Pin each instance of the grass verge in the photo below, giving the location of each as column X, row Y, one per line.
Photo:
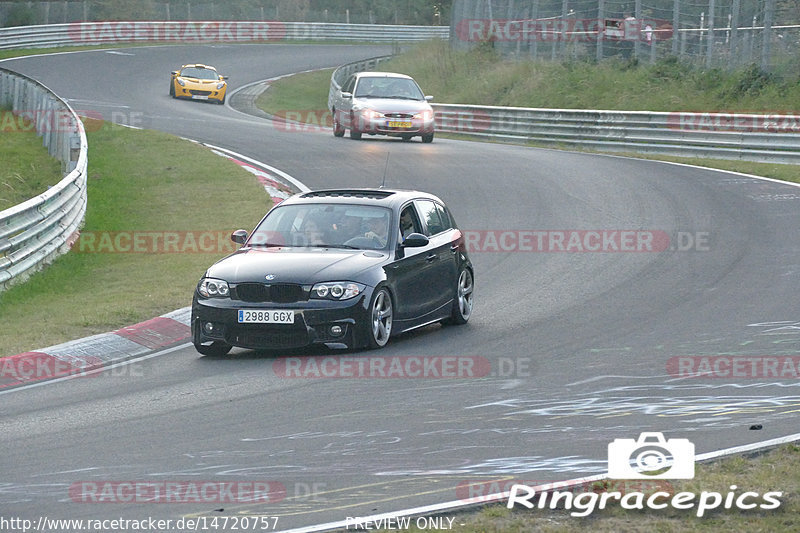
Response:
column 27, row 169
column 774, row 470
column 142, row 185
column 305, row 93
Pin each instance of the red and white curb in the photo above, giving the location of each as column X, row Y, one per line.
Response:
column 84, row 355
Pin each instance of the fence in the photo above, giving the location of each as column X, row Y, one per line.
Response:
column 36, row 231
column 713, row 33
column 761, row 138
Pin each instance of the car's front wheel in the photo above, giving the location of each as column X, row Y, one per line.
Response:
column 172, row 88
column 462, row 306
column 216, row 348
column 380, row 318
column 338, row 129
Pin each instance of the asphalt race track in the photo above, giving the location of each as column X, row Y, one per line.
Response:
column 581, row 345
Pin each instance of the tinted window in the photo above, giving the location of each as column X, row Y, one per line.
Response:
column 348, row 85
column 431, row 216
column 447, row 223
column 408, row 222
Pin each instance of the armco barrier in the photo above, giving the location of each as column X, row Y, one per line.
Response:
column 94, row 33
column 749, row 137
column 34, row 232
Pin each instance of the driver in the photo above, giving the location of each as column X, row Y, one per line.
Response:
column 378, row 230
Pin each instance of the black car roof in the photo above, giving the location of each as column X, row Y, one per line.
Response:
column 384, row 197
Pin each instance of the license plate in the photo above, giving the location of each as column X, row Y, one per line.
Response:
column 395, row 124
column 265, row 316
column 199, row 97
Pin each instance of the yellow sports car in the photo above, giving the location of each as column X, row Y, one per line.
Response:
column 198, row 82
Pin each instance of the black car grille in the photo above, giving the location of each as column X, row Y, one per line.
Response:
column 196, row 92
column 277, row 293
column 267, row 339
column 399, row 115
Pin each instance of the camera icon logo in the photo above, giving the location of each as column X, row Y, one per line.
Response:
column 651, row 457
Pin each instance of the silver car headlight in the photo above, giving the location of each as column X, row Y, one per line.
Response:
column 220, row 85
column 181, row 82
column 213, row 288
column 336, row 290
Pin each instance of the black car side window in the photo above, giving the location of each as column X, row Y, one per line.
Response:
column 348, row 85
column 429, row 213
column 408, row 222
column 444, row 216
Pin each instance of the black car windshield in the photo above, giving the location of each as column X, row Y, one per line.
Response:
column 383, row 87
column 199, row 73
column 346, row 226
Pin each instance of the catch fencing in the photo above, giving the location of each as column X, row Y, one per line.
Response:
column 711, row 33
column 34, row 232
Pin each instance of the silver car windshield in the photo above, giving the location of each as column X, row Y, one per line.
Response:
column 385, row 87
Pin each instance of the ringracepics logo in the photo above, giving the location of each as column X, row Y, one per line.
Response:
column 651, row 456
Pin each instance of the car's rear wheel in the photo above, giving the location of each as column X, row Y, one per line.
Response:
column 462, row 306
column 380, row 318
column 406, row 138
column 338, row 129
column 427, row 138
column 216, row 348
column 355, row 135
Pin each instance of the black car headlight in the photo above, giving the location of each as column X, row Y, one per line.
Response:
column 336, row 290
column 213, row 288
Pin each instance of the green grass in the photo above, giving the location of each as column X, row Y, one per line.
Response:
column 306, row 92
column 775, row 470
column 480, row 77
column 27, row 169
column 138, row 181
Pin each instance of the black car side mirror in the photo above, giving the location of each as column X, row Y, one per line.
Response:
column 415, row 240
column 239, row 236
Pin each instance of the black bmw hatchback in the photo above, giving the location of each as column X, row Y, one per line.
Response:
column 336, row 267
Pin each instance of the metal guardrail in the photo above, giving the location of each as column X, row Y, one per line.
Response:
column 94, row 33
column 34, row 232
column 748, row 137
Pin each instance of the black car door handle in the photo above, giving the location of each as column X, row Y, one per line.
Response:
column 430, row 258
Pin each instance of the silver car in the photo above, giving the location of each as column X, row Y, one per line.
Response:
column 382, row 103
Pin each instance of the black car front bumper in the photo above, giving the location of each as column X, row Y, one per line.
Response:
column 315, row 322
